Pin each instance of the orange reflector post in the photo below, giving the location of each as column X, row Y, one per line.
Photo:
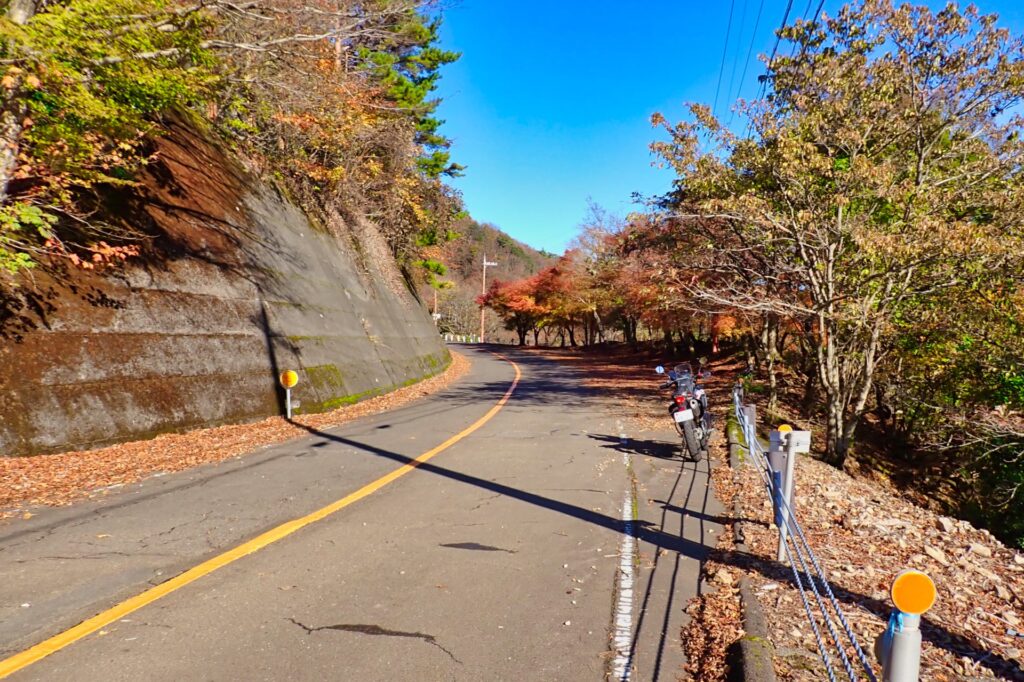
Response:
column 289, row 378
column 913, row 592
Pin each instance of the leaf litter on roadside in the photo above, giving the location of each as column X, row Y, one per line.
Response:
column 61, row 479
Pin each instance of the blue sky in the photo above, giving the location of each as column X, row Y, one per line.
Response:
column 550, row 102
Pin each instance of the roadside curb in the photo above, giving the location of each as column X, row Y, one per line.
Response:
column 750, row 658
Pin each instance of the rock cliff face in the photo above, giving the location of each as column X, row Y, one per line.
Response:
column 236, row 285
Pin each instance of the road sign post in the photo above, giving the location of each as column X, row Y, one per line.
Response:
column 898, row 649
column 289, row 379
column 777, row 464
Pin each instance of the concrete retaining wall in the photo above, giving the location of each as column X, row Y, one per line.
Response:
column 237, row 285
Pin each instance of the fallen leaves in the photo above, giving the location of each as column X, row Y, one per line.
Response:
column 864, row 535
column 58, row 480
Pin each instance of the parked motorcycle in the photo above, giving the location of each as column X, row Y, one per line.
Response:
column 689, row 409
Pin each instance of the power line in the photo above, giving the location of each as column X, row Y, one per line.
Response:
column 771, row 59
column 778, row 38
column 750, row 51
column 808, row 8
column 817, row 12
column 814, row 24
column 725, row 51
column 736, row 55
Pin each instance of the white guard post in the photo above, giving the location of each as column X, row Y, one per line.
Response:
column 784, row 445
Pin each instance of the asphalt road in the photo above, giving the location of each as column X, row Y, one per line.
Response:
column 498, row 559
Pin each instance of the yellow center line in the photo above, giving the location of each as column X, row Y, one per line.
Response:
column 57, row 642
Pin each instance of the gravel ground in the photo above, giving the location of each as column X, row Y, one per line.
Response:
column 864, row 536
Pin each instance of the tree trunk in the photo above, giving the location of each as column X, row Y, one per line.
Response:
column 521, row 331
column 536, row 336
column 598, row 327
column 810, row 397
column 14, row 111
column 572, row 334
column 837, row 446
column 770, row 340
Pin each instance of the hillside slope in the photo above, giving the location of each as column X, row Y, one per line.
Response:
column 236, row 284
column 463, row 257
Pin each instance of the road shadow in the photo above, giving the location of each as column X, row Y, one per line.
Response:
column 933, row 633
column 656, row 532
column 711, row 518
column 640, row 446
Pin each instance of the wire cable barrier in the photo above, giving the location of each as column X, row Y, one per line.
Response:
column 811, row 586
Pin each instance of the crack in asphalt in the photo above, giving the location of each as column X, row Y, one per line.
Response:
column 193, row 522
column 98, row 555
column 45, row 533
column 486, row 500
column 376, row 631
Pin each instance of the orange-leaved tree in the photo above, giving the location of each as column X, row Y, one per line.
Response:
column 516, row 304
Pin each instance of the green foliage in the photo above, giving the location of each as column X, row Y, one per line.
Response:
column 875, row 206
column 511, row 246
column 94, row 91
column 753, row 387
column 997, row 478
column 433, row 269
column 85, row 80
column 435, row 235
column 408, row 67
column 20, row 226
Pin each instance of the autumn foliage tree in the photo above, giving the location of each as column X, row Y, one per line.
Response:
column 882, row 172
column 333, row 97
column 516, row 304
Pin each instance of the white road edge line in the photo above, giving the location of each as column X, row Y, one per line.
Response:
column 622, row 665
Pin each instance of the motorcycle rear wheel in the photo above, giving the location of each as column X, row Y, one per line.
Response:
column 691, row 445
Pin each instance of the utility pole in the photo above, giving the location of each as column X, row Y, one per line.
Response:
column 483, row 292
column 434, row 315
